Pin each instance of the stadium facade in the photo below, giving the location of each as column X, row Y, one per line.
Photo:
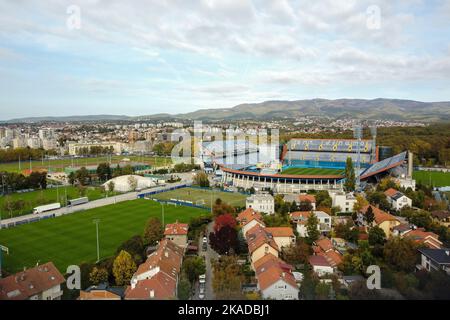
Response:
column 244, row 165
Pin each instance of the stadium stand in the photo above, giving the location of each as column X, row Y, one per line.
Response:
column 384, row 165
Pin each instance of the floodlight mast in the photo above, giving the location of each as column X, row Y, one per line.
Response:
column 358, row 135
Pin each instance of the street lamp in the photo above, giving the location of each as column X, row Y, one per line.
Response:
column 96, row 221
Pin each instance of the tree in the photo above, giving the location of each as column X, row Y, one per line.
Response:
column 297, row 254
column 184, row 288
column 132, row 182
column 370, row 216
column 201, row 180
column 220, row 208
column 111, row 185
column 104, row 171
column 71, row 178
column 349, row 184
column 82, row 175
column 312, row 228
column 376, row 236
column 224, row 220
column 98, row 275
column 135, row 247
column 193, row 267
column 323, row 199
column 123, row 268
column 359, row 291
column 227, row 278
column 401, row 254
column 153, row 231
column 360, row 203
column 225, row 240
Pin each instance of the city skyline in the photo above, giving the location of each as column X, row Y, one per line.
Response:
column 178, row 57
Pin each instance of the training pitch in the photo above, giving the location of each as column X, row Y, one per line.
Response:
column 432, row 178
column 71, row 239
column 203, row 195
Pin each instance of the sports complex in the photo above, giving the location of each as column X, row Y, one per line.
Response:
column 301, row 164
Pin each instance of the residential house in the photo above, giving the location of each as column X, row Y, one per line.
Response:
column 157, row 278
column 262, row 202
column 424, row 238
column 397, row 199
column 275, row 279
column 298, row 198
column 177, row 233
column 345, row 201
column 102, row 292
column 324, row 247
column 301, row 218
column 248, row 219
column 320, row 265
column 283, row 236
column 42, row 282
column 260, row 243
column 384, row 220
column 442, row 217
column 435, row 259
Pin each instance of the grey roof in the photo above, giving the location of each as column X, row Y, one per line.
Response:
column 440, row 256
column 397, row 196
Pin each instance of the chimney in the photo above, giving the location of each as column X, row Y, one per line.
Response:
column 447, row 252
column 166, row 254
column 152, row 293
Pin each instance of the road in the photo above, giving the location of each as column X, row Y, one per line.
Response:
column 90, row 205
column 209, row 254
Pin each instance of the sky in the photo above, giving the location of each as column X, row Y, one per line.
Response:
column 140, row 57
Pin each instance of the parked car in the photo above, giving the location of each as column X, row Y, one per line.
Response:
column 202, row 279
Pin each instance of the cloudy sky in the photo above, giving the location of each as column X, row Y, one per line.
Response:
column 144, row 57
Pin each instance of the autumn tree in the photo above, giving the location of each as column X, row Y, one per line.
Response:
column 360, row 203
column 221, row 208
column 376, row 236
column 227, row 278
column 370, row 216
column 400, row 253
column 153, row 231
column 98, row 275
column 224, row 220
column 225, row 240
column 201, row 179
column 193, row 267
column 297, row 254
column 123, row 268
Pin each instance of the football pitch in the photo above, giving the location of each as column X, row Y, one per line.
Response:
column 313, row 171
column 71, row 239
column 39, row 197
column 59, row 164
column 432, row 178
column 202, row 196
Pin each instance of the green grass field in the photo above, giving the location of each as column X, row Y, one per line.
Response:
column 58, row 165
column 193, row 194
column 40, row 197
column 434, row 178
column 313, row 171
column 71, row 239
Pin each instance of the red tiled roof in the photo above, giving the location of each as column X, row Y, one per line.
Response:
column 270, row 269
column 281, row 231
column 390, row 192
column 380, row 215
column 300, row 215
column 307, row 197
column 159, row 287
column 325, row 244
column 248, row 215
column 429, row 239
column 318, row 260
column 258, row 236
column 30, row 282
column 176, row 229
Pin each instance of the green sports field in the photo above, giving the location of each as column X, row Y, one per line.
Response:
column 433, row 178
column 313, row 171
column 40, row 197
column 195, row 195
column 71, row 239
column 60, row 164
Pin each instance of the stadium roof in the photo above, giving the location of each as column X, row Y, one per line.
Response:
column 384, row 165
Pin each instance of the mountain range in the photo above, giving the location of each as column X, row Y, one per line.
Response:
column 376, row 109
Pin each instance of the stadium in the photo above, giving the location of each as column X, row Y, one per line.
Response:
column 301, row 164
